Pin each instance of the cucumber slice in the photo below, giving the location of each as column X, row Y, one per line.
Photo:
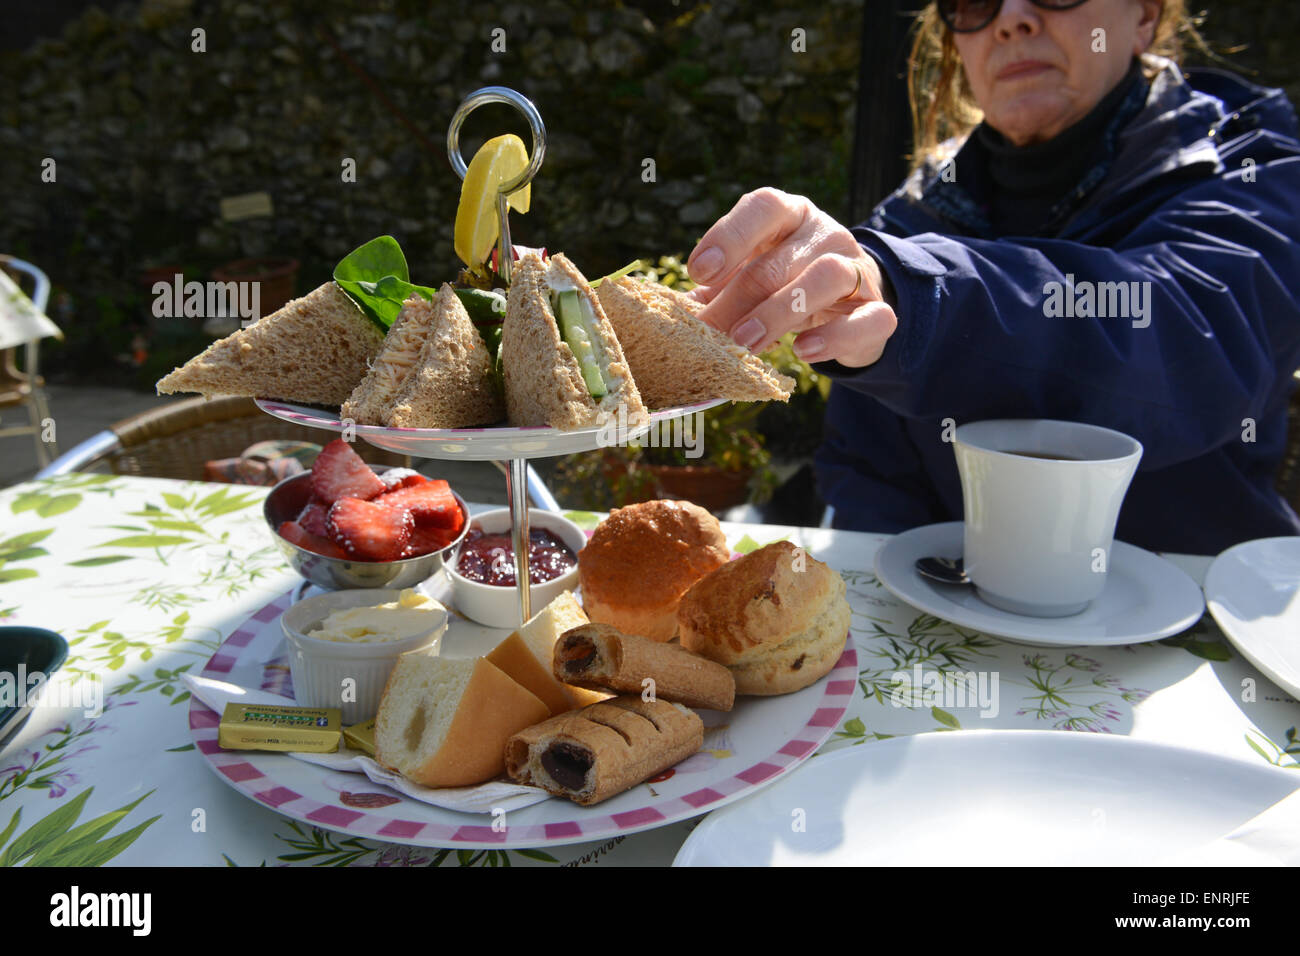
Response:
column 575, row 328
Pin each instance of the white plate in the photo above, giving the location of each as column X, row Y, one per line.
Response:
column 1253, row 591
column 1146, row 597
column 761, row 739
column 995, row 797
column 475, row 444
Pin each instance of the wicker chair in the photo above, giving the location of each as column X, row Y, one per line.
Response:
column 26, row 387
column 175, row 440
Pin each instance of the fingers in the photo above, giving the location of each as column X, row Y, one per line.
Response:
column 854, row 340
column 828, row 281
column 705, row 293
column 758, row 221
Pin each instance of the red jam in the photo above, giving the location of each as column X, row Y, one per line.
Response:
column 489, row 558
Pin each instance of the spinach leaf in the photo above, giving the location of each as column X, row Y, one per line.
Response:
column 376, row 277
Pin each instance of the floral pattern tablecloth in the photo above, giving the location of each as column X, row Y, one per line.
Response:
column 146, row 577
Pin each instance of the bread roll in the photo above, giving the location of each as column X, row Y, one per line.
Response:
column 445, row 723
column 642, row 559
column 777, row 618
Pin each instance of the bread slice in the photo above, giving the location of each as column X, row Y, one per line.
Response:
column 451, row 385
column 526, row 655
column 544, row 383
column 314, row 350
column 675, row 358
column 445, row 723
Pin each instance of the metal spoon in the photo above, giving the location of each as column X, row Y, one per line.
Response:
column 943, row 570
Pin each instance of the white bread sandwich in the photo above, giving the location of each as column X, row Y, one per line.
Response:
column 675, row 358
column 445, row 723
column 434, row 371
column 562, row 361
column 526, row 655
column 314, row 350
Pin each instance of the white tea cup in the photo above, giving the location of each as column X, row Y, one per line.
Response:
column 1041, row 501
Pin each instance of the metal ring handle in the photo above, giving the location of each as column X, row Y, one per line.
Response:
column 499, row 94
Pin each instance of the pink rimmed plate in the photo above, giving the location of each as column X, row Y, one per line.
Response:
column 497, row 443
column 757, row 743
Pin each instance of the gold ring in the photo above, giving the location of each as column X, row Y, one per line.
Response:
column 857, row 286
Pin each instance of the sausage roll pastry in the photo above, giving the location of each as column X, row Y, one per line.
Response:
column 590, row 755
column 600, row 657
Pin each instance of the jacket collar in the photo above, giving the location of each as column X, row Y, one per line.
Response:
column 1167, row 127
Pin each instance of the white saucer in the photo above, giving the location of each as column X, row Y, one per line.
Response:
column 998, row 798
column 1253, row 591
column 1146, row 597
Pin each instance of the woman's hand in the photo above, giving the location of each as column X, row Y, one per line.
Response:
column 777, row 263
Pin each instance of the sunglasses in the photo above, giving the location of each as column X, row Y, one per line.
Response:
column 969, row 16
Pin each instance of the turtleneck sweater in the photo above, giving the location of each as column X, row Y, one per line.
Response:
column 1027, row 182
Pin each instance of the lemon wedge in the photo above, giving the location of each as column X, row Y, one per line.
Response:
column 497, row 161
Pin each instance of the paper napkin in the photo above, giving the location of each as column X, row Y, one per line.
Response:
column 484, row 798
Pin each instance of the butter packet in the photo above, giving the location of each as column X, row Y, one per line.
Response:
column 361, row 737
column 271, row 727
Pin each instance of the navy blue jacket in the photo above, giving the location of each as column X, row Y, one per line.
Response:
column 1199, row 197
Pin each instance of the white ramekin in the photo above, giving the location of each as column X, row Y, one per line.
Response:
column 320, row 668
column 499, row 606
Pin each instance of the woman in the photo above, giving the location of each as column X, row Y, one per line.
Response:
column 1112, row 244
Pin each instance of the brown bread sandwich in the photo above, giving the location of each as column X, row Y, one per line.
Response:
column 314, row 350
column 433, row 371
column 675, row 358
column 562, row 362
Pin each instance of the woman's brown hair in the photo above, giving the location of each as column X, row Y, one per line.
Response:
column 941, row 100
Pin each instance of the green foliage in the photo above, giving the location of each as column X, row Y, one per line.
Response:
column 324, row 848
column 55, row 841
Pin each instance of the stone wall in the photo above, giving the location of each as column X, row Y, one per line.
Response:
column 149, row 135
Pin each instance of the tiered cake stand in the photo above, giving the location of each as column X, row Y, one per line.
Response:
column 511, row 445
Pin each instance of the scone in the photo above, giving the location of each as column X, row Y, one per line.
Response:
column 642, row 559
column 777, row 618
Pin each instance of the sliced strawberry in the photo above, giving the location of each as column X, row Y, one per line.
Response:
column 293, row 531
column 395, row 478
column 372, row 532
column 312, row 518
column 432, row 504
column 428, row 540
column 339, row 472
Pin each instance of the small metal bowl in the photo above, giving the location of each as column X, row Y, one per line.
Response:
column 285, row 503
